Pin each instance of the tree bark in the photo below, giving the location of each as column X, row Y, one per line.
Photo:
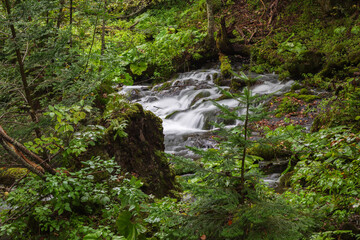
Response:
column 60, row 15
column 242, row 186
column 223, row 42
column 210, row 41
column 23, row 74
column 103, row 30
column 71, row 21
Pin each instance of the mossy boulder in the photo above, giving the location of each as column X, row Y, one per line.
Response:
column 285, row 180
column 309, row 62
column 199, row 96
column 334, row 68
column 237, row 84
column 9, row 175
column 142, row 151
column 269, row 152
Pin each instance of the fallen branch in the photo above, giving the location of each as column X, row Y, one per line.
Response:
column 19, row 153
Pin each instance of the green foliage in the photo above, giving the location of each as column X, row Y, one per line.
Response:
column 342, row 112
column 325, row 179
column 68, row 125
column 96, row 201
column 292, row 47
column 309, row 41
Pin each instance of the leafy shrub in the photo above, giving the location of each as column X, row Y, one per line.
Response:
column 94, row 201
column 325, row 179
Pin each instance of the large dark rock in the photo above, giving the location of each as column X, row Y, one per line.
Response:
column 309, row 62
column 142, row 151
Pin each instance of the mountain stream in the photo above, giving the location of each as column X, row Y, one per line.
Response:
column 184, row 104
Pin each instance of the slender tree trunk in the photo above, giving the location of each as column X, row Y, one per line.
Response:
column 210, row 41
column 23, row 74
column 71, row 22
column 60, row 15
column 223, row 42
column 103, row 30
column 244, row 151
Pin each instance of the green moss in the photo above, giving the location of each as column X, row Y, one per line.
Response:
column 295, row 86
column 237, row 84
column 225, row 66
column 171, row 114
column 165, row 86
column 199, row 96
column 287, row 105
column 306, row 98
column 285, row 180
column 270, row 151
column 9, row 175
column 304, row 91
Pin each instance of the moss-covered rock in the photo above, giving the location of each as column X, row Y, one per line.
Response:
column 270, row 152
column 199, row 96
column 287, row 105
column 142, row 151
column 334, row 68
column 285, row 180
column 309, row 62
column 9, row 175
column 225, row 66
column 102, row 93
column 303, row 95
column 237, row 84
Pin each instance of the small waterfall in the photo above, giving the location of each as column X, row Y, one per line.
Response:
column 184, row 104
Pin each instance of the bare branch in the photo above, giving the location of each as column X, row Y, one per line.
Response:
column 26, row 51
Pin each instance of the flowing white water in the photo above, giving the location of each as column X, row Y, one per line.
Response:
column 185, row 106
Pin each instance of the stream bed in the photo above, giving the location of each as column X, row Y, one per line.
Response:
column 185, row 106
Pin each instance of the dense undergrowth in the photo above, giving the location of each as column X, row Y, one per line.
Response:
column 58, row 101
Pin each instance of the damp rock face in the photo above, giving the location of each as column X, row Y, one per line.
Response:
column 142, row 151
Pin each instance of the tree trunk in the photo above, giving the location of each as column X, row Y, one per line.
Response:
column 242, row 186
column 60, row 15
column 325, row 5
column 23, row 74
column 103, row 30
column 71, row 21
column 223, row 42
column 210, row 41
